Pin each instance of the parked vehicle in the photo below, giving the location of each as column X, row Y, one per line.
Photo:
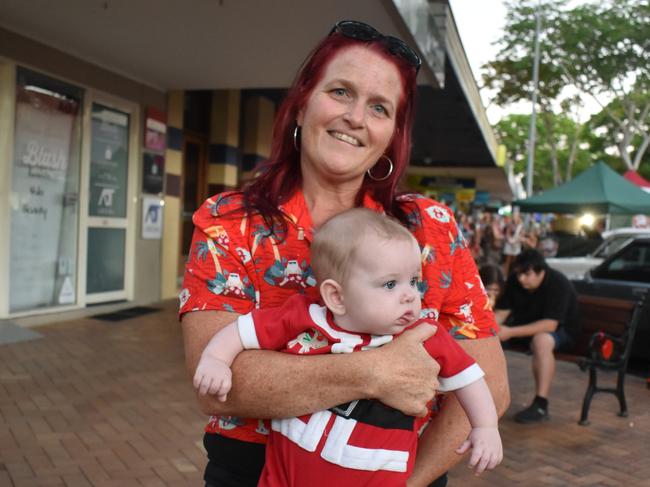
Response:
column 576, row 267
column 624, row 275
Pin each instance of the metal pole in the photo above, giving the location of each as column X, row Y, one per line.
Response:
column 533, row 126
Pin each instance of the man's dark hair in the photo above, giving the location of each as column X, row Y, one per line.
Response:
column 529, row 259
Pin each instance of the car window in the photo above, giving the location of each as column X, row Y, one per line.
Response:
column 611, row 246
column 633, row 264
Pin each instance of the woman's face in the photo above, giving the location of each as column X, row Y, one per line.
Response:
column 349, row 119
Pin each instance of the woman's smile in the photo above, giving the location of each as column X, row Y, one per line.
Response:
column 345, row 138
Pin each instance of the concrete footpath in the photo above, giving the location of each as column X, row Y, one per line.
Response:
column 97, row 403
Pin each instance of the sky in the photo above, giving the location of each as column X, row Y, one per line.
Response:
column 480, row 23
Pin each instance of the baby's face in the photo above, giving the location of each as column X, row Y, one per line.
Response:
column 380, row 294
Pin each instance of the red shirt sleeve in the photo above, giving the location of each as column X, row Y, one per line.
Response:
column 457, row 368
column 273, row 328
column 219, row 273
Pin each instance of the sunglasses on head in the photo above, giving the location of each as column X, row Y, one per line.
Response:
column 366, row 33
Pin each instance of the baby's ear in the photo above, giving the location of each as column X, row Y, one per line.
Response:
column 332, row 294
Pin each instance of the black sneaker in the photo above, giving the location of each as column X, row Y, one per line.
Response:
column 532, row 414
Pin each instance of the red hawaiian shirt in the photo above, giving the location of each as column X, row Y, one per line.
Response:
column 235, row 265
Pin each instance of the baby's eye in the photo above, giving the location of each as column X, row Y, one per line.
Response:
column 390, row 284
column 414, row 282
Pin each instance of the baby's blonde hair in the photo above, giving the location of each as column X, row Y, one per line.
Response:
column 338, row 240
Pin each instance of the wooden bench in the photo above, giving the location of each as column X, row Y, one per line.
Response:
column 605, row 342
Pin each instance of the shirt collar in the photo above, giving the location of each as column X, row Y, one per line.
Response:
column 295, row 208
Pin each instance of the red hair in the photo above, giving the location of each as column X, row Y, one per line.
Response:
column 279, row 177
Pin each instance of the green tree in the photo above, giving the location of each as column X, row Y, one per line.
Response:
column 559, row 137
column 596, row 50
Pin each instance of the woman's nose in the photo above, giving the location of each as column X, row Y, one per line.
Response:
column 355, row 115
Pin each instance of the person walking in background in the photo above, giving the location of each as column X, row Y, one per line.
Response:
column 530, row 236
column 540, row 307
column 369, row 284
column 512, row 241
column 491, row 239
column 341, row 139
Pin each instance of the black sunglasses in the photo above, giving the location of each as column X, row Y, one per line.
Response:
column 366, row 33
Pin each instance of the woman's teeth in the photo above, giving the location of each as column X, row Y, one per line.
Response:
column 346, row 138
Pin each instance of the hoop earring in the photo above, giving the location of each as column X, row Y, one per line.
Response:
column 296, row 133
column 390, row 170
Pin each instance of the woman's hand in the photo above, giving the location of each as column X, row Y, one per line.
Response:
column 405, row 375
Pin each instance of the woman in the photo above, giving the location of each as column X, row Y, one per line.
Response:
column 493, row 282
column 341, row 139
column 514, row 228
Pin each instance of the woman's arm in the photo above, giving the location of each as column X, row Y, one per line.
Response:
column 268, row 384
column 436, row 448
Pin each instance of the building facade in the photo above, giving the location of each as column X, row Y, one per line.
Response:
column 110, row 139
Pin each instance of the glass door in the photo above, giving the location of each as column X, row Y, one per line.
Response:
column 107, row 222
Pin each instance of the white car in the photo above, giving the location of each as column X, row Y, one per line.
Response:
column 576, row 267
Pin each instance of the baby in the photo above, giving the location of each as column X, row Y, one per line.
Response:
column 368, row 267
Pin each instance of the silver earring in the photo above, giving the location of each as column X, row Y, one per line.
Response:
column 390, row 170
column 296, row 133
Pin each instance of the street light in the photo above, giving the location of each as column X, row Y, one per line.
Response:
column 533, row 126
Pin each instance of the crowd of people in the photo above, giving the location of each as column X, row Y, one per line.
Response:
column 497, row 239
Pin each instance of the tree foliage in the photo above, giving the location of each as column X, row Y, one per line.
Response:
column 598, row 50
column 564, row 137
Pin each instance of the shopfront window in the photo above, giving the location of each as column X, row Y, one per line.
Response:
column 109, row 161
column 44, row 193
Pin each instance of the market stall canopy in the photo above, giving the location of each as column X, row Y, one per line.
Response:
column 598, row 190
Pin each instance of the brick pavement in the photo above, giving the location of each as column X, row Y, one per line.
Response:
column 98, row 403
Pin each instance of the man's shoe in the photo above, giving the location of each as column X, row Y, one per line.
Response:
column 532, row 414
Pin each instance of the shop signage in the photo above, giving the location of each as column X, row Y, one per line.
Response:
column 155, row 133
column 152, row 218
column 153, row 169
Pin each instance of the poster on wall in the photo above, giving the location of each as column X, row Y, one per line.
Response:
column 153, row 172
column 44, row 193
column 155, row 132
column 152, row 218
column 109, row 155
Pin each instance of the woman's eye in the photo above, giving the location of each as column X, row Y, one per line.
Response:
column 380, row 110
column 390, row 284
column 339, row 92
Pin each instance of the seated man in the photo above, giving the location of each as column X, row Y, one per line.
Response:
column 540, row 307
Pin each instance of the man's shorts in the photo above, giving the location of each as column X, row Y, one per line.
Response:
column 563, row 342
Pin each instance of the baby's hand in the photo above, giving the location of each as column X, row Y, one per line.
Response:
column 487, row 451
column 213, row 376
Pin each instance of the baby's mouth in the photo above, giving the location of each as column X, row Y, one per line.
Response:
column 406, row 319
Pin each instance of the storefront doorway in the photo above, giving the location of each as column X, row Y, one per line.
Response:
column 107, row 219
column 195, row 152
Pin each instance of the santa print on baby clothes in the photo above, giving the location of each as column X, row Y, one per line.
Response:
column 237, row 264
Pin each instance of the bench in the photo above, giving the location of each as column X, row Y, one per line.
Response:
column 608, row 329
column 605, row 342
